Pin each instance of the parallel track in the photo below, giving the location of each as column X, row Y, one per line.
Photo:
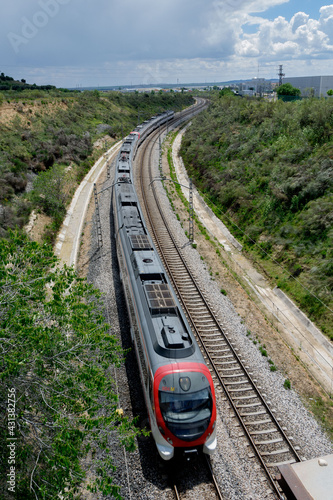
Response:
column 268, row 439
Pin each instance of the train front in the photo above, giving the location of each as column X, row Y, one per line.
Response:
column 185, row 406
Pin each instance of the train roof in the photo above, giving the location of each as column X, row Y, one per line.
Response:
column 167, row 332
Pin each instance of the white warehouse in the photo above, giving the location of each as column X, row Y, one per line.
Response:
column 316, row 86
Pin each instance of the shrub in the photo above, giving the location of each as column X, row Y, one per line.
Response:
column 287, row 384
column 49, row 192
column 58, row 363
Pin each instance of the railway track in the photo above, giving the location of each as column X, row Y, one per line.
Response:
column 268, row 439
column 212, row 490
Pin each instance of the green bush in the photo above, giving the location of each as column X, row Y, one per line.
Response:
column 49, row 192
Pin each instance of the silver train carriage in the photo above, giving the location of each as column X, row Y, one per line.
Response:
column 177, row 384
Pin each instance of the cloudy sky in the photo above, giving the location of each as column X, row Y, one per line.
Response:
column 121, row 42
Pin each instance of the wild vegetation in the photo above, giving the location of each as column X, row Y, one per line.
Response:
column 58, row 399
column 267, row 168
column 51, row 132
column 8, row 83
column 286, row 89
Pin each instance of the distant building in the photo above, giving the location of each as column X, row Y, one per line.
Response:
column 256, row 86
column 316, row 86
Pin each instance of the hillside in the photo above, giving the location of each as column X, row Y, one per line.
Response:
column 267, row 168
column 50, row 138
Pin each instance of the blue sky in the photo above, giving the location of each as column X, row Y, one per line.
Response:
column 288, row 9
column 122, row 42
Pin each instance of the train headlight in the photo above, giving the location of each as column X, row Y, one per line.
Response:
column 185, row 383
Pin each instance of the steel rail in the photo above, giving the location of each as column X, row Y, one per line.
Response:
column 217, row 326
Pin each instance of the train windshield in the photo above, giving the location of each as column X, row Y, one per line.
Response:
column 187, row 416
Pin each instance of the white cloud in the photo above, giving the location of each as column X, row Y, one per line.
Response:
column 116, row 42
column 299, row 19
column 301, row 37
column 247, row 49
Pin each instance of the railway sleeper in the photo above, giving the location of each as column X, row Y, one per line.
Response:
column 254, row 413
column 234, row 375
column 270, row 441
column 251, row 405
column 245, row 389
column 239, row 382
column 238, row 398
column 186, row 292
column 276, row 464
column 260, row 422
column 233, row 369
column 198, row 318
column 203, row 327
column 198, row 310
column 189, row 288
column 213, row 337
column 275, row 452
column 215, row 345
column 232, row 362
column 219, row 350
column 266, row 431
column 184, row 280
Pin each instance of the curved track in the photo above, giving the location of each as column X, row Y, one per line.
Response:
column 268, row 439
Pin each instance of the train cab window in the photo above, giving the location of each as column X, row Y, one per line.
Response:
column 186, row 404
column 187, row 416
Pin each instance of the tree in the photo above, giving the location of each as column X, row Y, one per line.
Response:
column 56, row 361
column 50, row 192
column 288, row 89
column 330, row 92
column 226, row 91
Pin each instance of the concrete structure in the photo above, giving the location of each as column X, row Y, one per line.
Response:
column 310, row 480
column 316, row 86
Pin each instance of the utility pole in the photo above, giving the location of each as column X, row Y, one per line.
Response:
column 98, row 219
column 191, row 211
column 281, row 74
column 160, row 153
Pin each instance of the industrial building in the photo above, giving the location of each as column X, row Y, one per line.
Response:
column 311, row 86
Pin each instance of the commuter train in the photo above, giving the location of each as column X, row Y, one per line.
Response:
column 177, row 384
